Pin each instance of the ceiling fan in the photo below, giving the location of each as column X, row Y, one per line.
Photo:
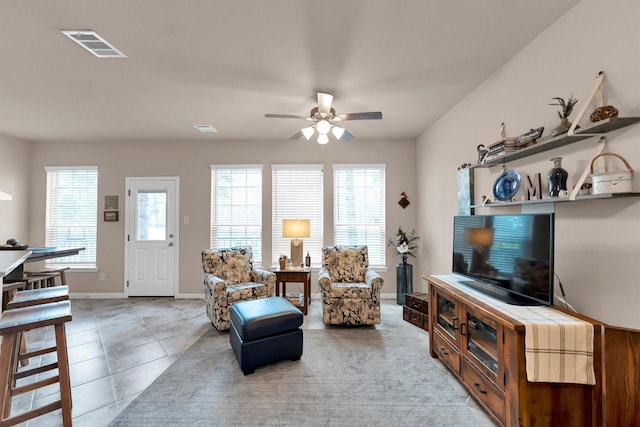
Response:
column 325, row 121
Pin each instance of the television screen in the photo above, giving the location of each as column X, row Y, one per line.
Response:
column 509, row 257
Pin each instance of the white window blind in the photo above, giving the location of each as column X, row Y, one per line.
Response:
column 298, row 194
column 72, row 213
column 236, row 208
column 358, row 208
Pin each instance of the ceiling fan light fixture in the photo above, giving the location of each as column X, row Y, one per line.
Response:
column 337, row 131
column 323, row 127
column 323, row 138
column 308, row 132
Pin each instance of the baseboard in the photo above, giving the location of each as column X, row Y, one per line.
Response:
column 99, row 295
column 116, row 295
column 191, row 296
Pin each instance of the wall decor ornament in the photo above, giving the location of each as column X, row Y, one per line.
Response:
column 507, row 185
column 404, row 201
column 601, row 113
column 557, row 179
column 567, row 108
column 111, row 215
column 482, row 153
column 533, row 189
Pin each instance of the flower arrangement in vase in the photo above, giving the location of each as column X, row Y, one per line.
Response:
column 404, row 243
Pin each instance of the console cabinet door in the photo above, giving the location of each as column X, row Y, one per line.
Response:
column 447, row 316
column 482, row 341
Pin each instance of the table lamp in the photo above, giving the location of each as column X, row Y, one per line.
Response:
column 296, row 229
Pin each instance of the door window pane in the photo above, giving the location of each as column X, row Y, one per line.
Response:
column 152, row 215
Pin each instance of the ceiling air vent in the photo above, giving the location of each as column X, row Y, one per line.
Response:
column 94, row 43
column 205, row 128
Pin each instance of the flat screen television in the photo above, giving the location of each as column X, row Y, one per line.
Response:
column 509, row 257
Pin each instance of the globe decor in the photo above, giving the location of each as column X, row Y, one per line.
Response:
column 405, row 247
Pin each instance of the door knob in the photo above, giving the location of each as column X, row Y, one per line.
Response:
column 170, row 243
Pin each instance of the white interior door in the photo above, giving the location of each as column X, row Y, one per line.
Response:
column 151, row 241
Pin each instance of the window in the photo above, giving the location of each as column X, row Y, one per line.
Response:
column 236, row 207
column 297, row 192
column 358, row 208
column 72, row 213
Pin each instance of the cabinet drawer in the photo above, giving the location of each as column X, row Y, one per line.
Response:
column 413, row 316
column 446, row 352
column 418, row 302
column 483, row 390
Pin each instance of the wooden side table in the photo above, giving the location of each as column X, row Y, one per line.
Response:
column 295, row 276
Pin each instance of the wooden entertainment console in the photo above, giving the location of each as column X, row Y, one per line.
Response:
column 485, row 350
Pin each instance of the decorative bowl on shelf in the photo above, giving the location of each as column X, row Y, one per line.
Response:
column 507, row 185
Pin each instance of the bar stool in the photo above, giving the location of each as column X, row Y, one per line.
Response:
column 33, row 297
column 38, row 281
column 9, row 290
column 28, row 298
column 55, row 272
column 13, row 323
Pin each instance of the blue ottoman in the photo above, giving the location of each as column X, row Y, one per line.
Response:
column 265, row 331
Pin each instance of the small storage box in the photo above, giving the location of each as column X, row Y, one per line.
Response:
column 611, row 182
column 416, row 309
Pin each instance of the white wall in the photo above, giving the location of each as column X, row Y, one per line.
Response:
column 191, row 162
column 15, row 175
column 597, row 242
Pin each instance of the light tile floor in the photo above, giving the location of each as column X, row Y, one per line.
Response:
column 118, row 347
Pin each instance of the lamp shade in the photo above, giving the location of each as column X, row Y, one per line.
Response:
column 296, row 228
column 308, row 132
column 337, row 131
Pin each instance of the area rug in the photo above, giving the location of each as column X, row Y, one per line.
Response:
column 346, row 377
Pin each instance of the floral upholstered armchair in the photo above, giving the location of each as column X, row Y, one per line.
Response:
column 350, row 289
column 229, row 277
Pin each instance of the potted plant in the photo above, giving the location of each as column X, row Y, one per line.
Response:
column 567, row 108
column 405, row 246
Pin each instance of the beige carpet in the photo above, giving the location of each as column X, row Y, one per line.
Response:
column 346, row 377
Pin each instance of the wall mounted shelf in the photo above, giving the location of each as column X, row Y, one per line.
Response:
column 558, row 200
column 550, row 143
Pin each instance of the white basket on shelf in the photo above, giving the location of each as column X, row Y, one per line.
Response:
column 611, row 182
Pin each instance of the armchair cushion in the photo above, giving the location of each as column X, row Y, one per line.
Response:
column 233, row 264
column 346, row 263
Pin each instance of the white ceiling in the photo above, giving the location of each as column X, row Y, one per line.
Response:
column 228, row 62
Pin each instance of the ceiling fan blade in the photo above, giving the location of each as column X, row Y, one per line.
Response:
column 324, row 102
column 347, row 136
column 372, row 115
column 285, row 116
column 296, row 135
